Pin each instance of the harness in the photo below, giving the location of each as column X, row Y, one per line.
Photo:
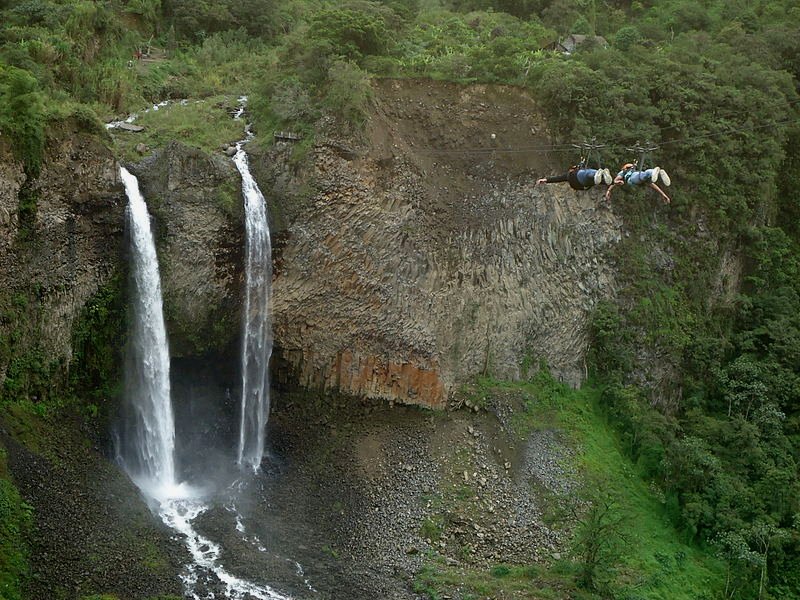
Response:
column 590, row 149
column 645, row 152
column 572, row 178
column 627, row 174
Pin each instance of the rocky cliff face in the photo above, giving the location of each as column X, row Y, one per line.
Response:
column 74, row 244
column 405, row 263
column 51, row 265
column 426, row 255
column 195, row 200
column 11, row 180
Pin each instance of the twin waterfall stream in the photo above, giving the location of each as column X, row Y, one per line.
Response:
column 257, row 331
column 146, row 436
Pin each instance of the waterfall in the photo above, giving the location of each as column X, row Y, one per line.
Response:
column 146, row 438
column 147, row 442
column 256, row 322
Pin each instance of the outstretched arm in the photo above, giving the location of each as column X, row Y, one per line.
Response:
column 617, row 182
column 661, row 192
column 554, row 179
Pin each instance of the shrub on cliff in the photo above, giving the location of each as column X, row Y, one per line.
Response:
column 22, row 116
column 352, row 33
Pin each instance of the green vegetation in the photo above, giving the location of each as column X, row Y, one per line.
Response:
column 30, row 375
column 531, row 583
column 15, row 521
column 695, row 362
column 97, row 342
column 36, row 397
column 625, row 543
column 110, row 597
column 21, row 117
column 726, row 459
column 205, row 124
column 38, row 386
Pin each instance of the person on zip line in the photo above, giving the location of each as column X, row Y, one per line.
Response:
column 580, row 177
column 630, row 175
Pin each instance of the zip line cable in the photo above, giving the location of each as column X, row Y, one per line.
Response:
column 569, row 147
column 564, row 147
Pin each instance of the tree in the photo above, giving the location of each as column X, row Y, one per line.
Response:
column 148, row 10
column 352, row 33
column 739, row 560
column 764, row 535
column 598, row 539
column 742, row 386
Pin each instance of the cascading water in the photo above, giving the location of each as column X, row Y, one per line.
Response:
column 147, row 444
column 147, row 440
column 257, row 325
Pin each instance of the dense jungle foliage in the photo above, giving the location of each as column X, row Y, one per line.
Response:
column 699, row 360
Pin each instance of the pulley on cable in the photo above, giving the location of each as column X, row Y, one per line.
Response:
column 645, row 151
column 590, row 149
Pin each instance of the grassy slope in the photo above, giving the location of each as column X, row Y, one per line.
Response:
column 654, row 563
column 205, row 124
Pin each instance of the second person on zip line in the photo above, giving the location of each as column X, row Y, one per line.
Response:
column 629, row 175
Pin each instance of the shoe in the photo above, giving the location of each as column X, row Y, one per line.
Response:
column 598, row 176
column 654, row 175
column 607, row 177
column 665, row 178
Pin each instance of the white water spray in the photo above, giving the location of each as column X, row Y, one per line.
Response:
column 147, row 446
column 257, row 322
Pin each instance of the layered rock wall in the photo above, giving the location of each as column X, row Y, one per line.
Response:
column 406, row 263
column 50, row 267
column 427, row 255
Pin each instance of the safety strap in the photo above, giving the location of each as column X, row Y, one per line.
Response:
column 590, row 149
column 645, row 152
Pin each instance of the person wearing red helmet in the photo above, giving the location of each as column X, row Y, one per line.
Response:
column 630, row 175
